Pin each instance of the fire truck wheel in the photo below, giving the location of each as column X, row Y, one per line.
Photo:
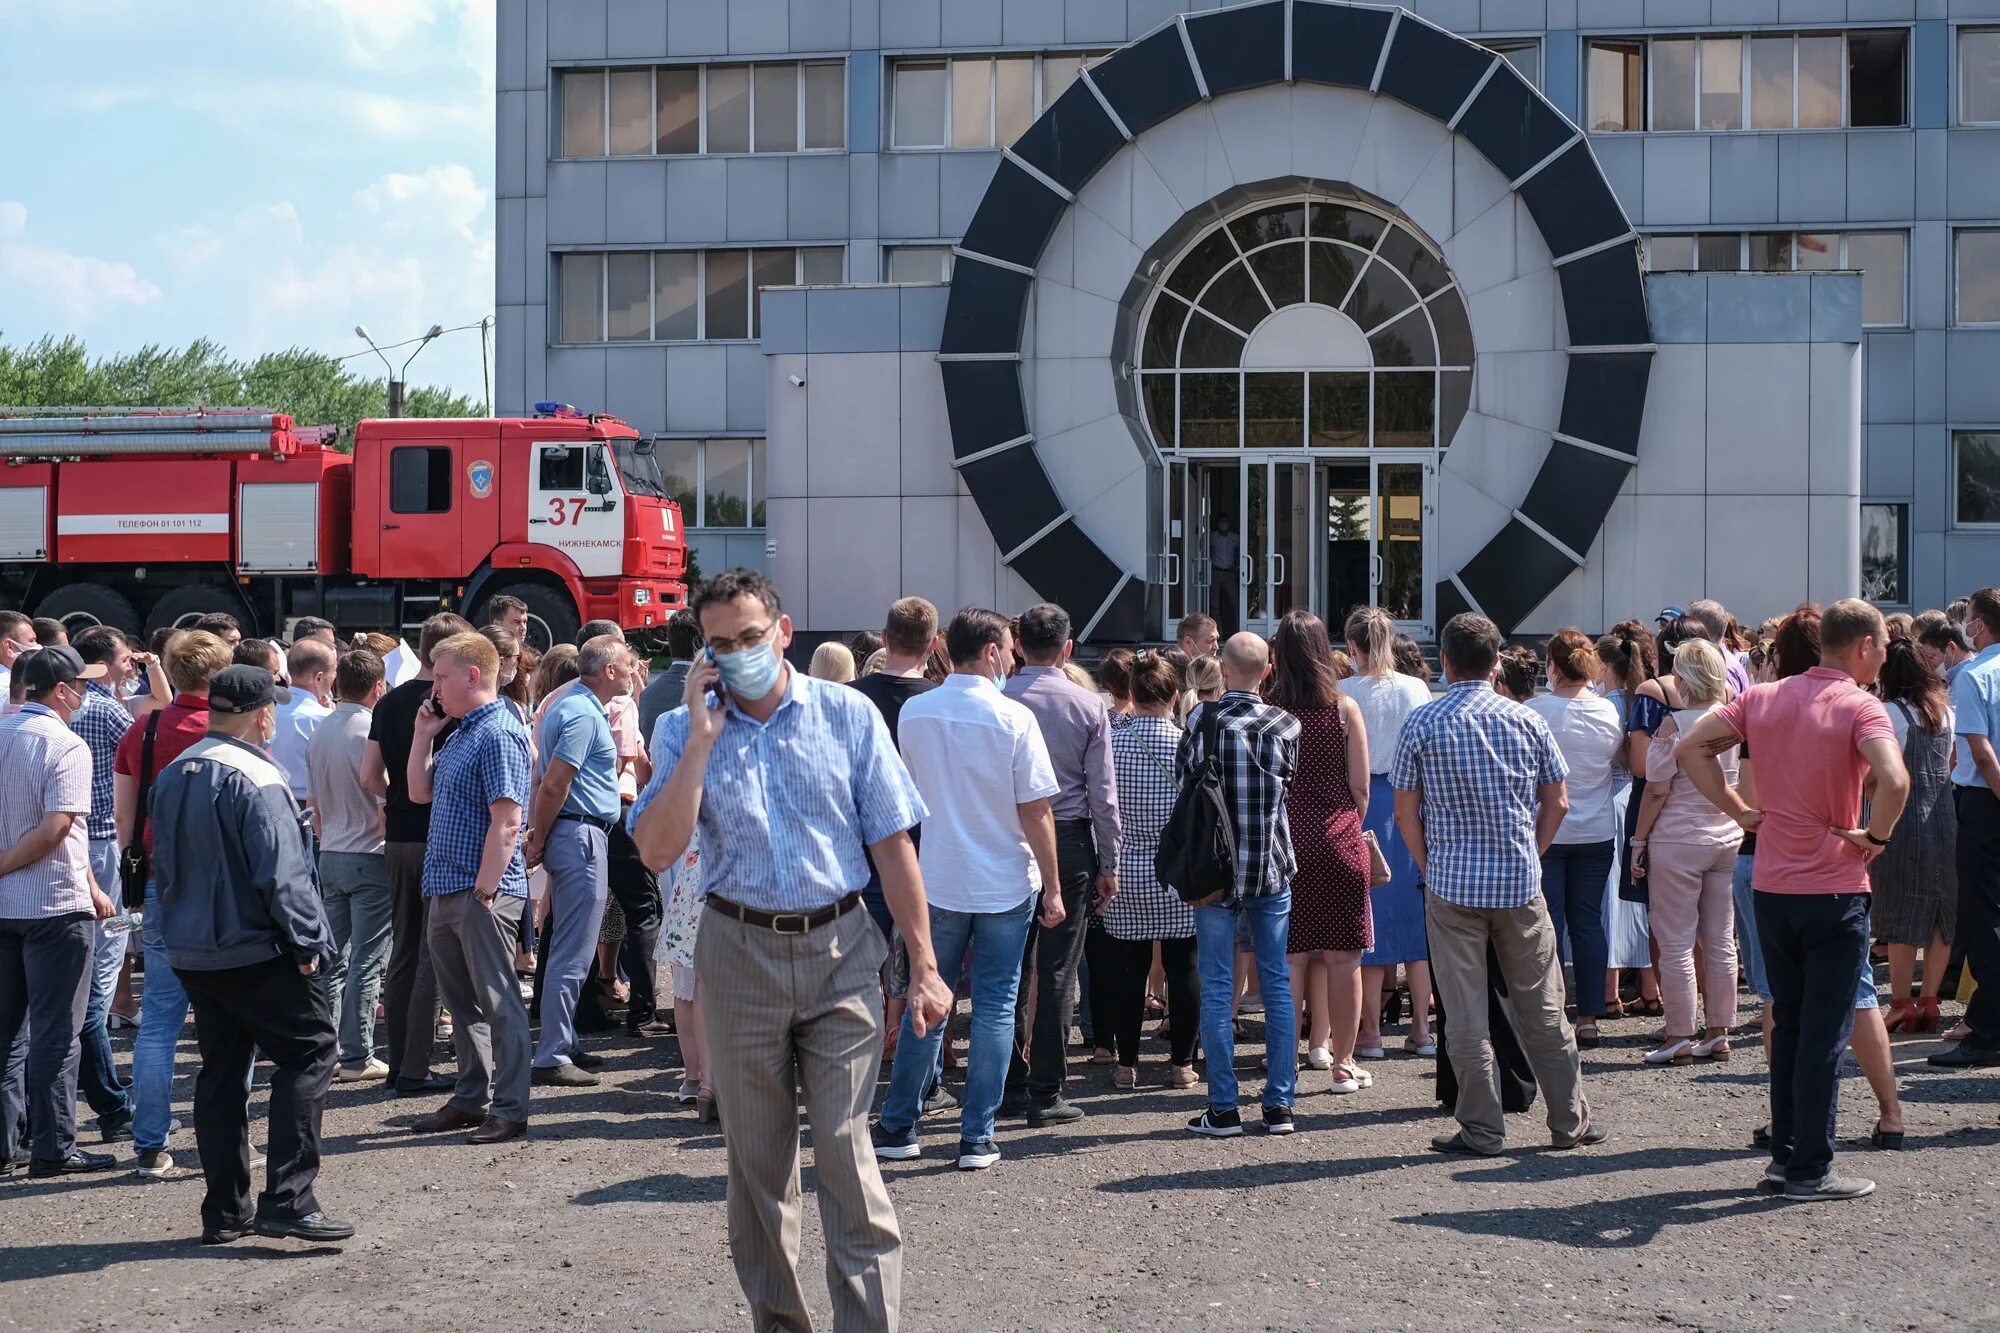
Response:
column 81, row 605
column 552, row 617
column 183, row 606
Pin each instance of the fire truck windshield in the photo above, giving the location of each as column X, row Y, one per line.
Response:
column 639, row 467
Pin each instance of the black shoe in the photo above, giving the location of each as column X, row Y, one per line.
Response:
column 652, row 1027
column 1057, row 1112
column 562, row 1076
column 430, row 1087
column 1456, row 1143
column 76, row 1164
column 939, row 1100
column 225, row 1235
column 313, row 1226
column 1593, row 1134
column 1216, row 1124
column 583, row 1059
column 116, row 1133
column 1278, row 1120
column 1013, row 1106
column 1965, row 1056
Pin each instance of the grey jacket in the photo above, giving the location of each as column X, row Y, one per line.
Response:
column 236, row 880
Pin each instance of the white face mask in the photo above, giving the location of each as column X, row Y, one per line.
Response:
column 507, row 674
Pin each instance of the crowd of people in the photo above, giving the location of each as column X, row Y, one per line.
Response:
column 341, row 853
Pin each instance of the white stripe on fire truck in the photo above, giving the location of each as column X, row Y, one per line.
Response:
column 137, row 525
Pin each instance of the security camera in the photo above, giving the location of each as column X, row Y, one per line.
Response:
column 798, row 381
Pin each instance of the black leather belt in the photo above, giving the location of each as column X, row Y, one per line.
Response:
column 592, row 820
column 786, row 923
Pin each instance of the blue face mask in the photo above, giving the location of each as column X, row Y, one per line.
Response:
column 750, row 673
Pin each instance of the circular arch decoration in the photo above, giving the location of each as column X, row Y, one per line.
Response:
column 1471, row 91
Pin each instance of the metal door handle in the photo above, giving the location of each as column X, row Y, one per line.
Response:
column 1277, row 569
column 1171, row 562
column 391, row 527
column 537, row 520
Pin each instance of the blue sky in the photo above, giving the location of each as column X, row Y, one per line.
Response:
column 266, row 173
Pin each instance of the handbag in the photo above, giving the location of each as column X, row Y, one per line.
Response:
column 1378, row 864
column 135, row 864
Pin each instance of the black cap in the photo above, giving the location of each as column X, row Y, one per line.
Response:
column 46, row 668
column 244, row 689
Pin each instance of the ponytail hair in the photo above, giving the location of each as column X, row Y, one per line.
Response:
column 1374, row 638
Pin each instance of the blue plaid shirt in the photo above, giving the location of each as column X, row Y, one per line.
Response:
column 102, row 722
column 1478, row 758
column 485, row 759
column 788, row 805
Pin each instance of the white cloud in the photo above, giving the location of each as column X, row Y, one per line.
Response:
column 402, row 35
column 442, row 196
column 73, row 288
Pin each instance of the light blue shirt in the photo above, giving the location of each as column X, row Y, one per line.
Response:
column 1975, row 698
column 788, row 806
column 577, row 730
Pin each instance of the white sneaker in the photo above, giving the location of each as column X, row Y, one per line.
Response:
column 367, row 1073
column 1318, row 1058
column 443, row 1033
column 1370, row 1053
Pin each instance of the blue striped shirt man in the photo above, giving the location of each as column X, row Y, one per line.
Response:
column 787, row 806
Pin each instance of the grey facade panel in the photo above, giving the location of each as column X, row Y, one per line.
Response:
column 576, row 29
column 697, row 28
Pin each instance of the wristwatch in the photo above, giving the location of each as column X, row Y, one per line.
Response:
column 1879, row 842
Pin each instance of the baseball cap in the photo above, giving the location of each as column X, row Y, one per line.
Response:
column 46, row 668
column 244, row 689
column 1670, row 613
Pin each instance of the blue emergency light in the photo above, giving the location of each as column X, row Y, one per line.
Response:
column 556, row 410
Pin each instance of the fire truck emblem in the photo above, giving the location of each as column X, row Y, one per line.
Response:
column 480, row 476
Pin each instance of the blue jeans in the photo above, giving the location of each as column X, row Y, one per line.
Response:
column 1751, row 954
column 98, row 1080
column 1269, row 922
column 163, row 1010
column 360, row 913
column 998, row 940
column 1573, row 879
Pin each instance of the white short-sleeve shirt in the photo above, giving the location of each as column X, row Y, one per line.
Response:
column 977, row 757
column 1590, row 735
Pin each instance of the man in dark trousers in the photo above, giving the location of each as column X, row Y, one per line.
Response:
column 248, row 938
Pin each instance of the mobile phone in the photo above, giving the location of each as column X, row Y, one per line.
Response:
column 435, row 705
column 716, row 693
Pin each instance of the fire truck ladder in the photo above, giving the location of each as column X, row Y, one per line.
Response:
column 73, row 432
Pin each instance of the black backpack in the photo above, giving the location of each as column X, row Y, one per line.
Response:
column 1197, row 854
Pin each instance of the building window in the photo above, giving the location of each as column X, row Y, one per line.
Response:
column 1306, row 324
column 1879, row 256
column 917, row 263
column 1976, row 275
column 1885, row 554
column 717, row 483
column 1979, row 76
column 976, row 101
column 1523, row 53
column 1777, row 81
column 1976, row 472
column 680, row 110
column 681, row 295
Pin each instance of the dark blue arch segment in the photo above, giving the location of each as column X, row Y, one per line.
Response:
column 1339, row 45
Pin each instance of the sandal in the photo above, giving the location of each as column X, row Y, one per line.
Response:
column 1886, row 1140
column 1125, row 1076
column 1586, row 1035
column 1903, row 1016
column 1427, row 1047
column 1652, row 1008
column 1100, row 1056
column 1614, row 1009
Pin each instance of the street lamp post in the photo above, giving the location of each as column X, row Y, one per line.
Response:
column 396, row 378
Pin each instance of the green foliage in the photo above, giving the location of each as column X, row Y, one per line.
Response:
column 315, row 389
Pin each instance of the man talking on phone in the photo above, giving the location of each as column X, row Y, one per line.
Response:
column 789, row 779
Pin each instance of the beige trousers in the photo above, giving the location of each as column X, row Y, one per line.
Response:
column 783, row 1014
column 1524, row 940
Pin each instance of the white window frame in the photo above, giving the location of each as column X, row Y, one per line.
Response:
column 1089, row 57
column 1958, row 71
column 1746, row 87
column 701, row 109
column 950, row 262
column 1500, row 46
column 1840, row 261
column 698, row 522
column 604, row 338
column 1958, row 524
column 1957, row 321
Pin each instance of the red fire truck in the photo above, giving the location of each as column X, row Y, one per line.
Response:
column 139, row 518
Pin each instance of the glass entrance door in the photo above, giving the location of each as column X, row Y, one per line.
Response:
column 1249, row 538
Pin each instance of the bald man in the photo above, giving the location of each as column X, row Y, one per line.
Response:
column 1259, row 746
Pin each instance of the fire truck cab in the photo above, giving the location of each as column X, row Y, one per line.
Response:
column 145, row 519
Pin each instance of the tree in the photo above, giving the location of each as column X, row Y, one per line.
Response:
column 313, row 388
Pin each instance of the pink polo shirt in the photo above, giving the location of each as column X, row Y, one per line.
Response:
column 1805, row 736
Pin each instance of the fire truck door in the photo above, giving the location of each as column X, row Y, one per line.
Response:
column 424, row 504
column 576, row 506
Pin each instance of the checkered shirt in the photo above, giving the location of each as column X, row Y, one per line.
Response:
column 1478, row 759
column 1142, row 751
column 485, row 759
column 102, row 722
column 1260, row 755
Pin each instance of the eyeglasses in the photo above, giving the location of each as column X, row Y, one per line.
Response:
column 749, row 638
